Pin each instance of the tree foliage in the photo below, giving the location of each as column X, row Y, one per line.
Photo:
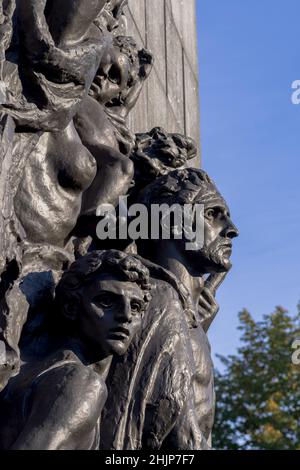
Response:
column 258, row 394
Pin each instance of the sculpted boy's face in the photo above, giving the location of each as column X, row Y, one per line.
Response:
column 115, row 75
column 111, row 315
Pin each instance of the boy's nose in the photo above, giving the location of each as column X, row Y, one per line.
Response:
column 125, row 313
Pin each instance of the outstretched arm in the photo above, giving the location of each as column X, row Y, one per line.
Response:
column 70, row 20
column 57, row 45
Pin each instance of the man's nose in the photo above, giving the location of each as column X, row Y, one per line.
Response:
column 230, row 230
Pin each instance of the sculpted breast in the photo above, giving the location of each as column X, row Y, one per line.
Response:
column 48, row 200
column 73, row 164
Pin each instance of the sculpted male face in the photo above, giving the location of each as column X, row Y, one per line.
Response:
column 192, row 187
column 112, row 314
column 219, row 232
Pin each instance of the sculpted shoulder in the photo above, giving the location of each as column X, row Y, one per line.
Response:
column 163, row 293
column 93, row 126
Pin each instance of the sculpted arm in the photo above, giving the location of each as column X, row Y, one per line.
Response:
column 57, row 47
column 70, row 20
column 114, row 170
column 62, row 409
column 186, row 435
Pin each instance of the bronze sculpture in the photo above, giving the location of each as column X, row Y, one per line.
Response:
column 132, row 323
column 191, row 267
column 98, row 310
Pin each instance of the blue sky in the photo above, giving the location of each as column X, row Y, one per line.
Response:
column 250, row 133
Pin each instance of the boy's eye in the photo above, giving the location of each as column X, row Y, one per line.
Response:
column 104, row 300
column 136, row 307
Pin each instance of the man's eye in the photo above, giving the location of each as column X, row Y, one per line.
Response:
column 210, row 214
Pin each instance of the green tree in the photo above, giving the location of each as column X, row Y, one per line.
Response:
column 258, row 394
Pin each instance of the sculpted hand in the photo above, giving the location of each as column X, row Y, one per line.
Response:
column 207, row 308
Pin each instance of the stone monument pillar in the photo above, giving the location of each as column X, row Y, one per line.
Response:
column 170, row 96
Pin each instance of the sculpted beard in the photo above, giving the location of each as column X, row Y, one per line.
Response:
column 218, row 253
